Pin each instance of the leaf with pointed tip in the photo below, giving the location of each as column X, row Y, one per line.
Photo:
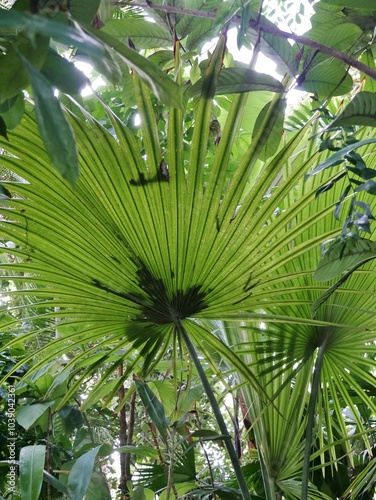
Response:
column 344, row 255
column 12, row 110
column 360, row 111
column 27, row 415
column 81, row 473
column 54, row 128
column 238, row 80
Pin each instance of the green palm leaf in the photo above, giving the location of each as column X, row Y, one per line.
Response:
column 133, row 258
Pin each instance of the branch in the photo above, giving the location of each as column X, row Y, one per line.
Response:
column 259, row 27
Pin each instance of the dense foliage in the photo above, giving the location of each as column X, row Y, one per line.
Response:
column 188, row 253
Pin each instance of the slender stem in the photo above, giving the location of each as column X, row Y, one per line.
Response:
column 216, row 410
column 271, row 29
column 311, row 416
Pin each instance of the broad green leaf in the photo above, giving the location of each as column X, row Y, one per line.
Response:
column 81, row 473
column 354, row 4
column 360, row 111
column 63, row 74
column 202, row 31
column 84, row 10
column 3, row 128
column 12, row 110
column 27, row 415
column 164, row 88
column 277, row 49
column 153, row 408
column 182, row 487
column 14, row 76
column 54, row 128
column 337, row 157
column 343, row 256
column 238, row 80
column 98, row 487
column 31, row 465
column 245, row 15
column 275, row 134
column 327, row 79
column 143, row 33
column 341, row 36
column 141, row 493
column 99, row 53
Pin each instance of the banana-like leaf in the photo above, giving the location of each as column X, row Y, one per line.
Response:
column 31, row 465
